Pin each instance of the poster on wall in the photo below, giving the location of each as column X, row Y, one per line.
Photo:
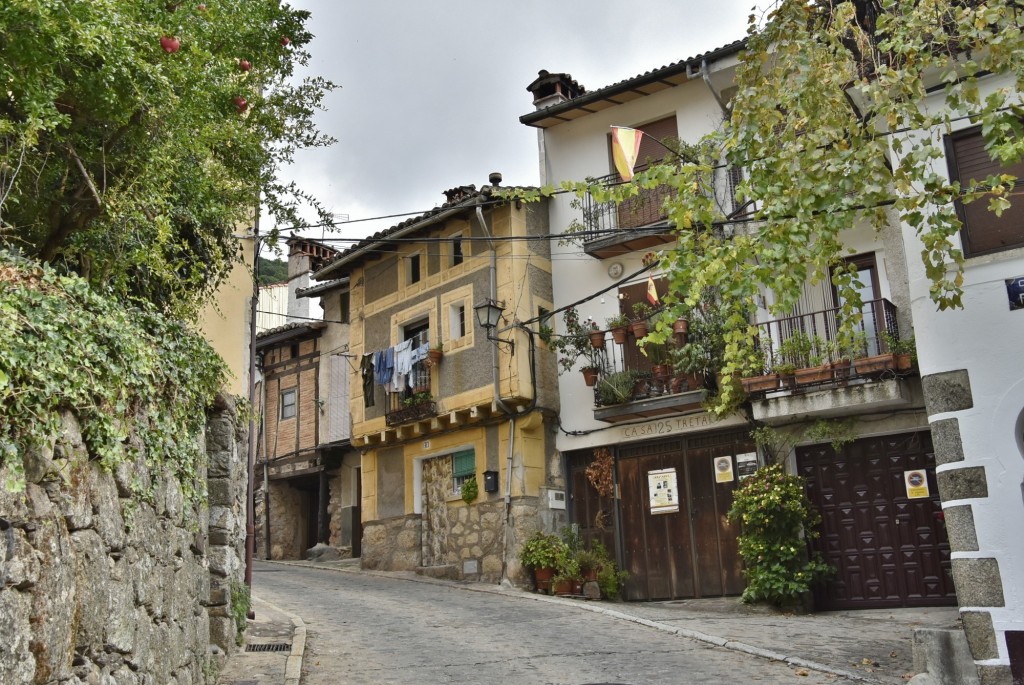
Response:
column 664, row 495
column 917, row 484
column 746, row 465
column 723, row 470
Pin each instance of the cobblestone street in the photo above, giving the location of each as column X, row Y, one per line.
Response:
column 372, row 629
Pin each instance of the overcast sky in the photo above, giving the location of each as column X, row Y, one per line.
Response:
column 431, row 92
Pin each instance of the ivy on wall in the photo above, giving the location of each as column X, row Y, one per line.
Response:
column 139, row 383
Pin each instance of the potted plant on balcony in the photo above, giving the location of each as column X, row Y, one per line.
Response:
column 574, row 347
column 904, row 350
column 435, row 353
column 758, row 377
column 843, row 350
column 641, row 311
column 596, row 336
column 616, row 388
column 619, row 326
column 808, row 354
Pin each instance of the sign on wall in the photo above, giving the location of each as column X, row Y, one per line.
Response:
column 916, row 482
column 723, row 470
column 663, row 491
column 746, row 464
column 1015, row 292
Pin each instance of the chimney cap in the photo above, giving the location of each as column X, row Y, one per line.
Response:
column 494, row 178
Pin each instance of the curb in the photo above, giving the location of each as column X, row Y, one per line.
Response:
column 736, row 646
column 293, row 666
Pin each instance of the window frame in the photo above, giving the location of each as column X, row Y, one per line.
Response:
column 284, row 405
column 462, row 475
column 952, row 162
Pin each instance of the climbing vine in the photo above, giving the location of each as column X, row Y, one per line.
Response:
column 139, row 383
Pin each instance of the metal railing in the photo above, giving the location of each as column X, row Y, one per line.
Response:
column 413, row 401
column 626, row 374
column 644, row 209
column 812, row 339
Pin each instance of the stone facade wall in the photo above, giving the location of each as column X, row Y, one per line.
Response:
column 100, row 585
column 474, row 533
column 392, row 544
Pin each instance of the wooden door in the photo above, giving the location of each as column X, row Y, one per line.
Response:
column 691, row 552
column 888, row 550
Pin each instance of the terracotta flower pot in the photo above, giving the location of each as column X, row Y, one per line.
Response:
column 681, row 325
column 542, row 578
column 639, row 329
column 589, row 376
column 619, row 334
column 562, row 587
column 870, row 366
column 434, row 355
column 760, row 383
column 597, row 340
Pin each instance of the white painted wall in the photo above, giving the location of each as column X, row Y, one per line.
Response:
column 272, row 307
column 983, row 338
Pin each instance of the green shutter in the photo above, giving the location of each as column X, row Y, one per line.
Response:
column 463, row 464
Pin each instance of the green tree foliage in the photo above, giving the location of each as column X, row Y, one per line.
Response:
column 828, row 125
column 136, row 380
column 137, row 137
column 272, row 271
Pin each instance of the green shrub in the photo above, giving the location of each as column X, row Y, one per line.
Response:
column 540, row 550
column 777, row 520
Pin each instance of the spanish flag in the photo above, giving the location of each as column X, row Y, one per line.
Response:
column 652, row 290
column 625, row 150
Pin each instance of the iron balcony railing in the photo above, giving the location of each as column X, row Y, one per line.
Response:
column 644, row 209
column 801, row 347
column 625, row 374
column 413, row 401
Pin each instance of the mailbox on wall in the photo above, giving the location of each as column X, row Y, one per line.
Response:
column 490, row 481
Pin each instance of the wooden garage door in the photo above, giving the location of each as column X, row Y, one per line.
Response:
column 691, row 552
column 888, row 550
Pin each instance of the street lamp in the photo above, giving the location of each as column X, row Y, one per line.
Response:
column 488, row 315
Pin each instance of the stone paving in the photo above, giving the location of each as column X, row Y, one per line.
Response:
column 372, row 627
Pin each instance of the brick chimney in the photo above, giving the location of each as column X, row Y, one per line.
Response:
column 551, row 89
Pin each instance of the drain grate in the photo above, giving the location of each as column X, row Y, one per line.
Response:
column 269, row 647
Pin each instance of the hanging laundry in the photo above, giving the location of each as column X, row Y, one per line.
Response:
column 367, row 371
column 402, row 365
column 384, row 366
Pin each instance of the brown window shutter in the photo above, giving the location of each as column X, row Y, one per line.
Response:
column 983, row 231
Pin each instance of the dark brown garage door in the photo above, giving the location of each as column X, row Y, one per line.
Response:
column 888, row 550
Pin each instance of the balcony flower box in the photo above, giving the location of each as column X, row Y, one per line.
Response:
column 872, row 366
column 813, row 374
column 760, row 383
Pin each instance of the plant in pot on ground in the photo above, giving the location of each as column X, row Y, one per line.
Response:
column 540, row 554
column 777, row 520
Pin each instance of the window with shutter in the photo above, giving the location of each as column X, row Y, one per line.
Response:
column 983, row 232
column 463, row 468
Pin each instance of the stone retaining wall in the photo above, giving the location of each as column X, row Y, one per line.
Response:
column 98, row 585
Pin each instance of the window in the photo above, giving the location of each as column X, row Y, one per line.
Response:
column 287, row 404
column 456, row 250
column 983, row 232
column 294, row 350
column 463, row 468
column 457, row 320
column 414, row 269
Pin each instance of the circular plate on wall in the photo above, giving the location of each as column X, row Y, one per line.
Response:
column 615, row 270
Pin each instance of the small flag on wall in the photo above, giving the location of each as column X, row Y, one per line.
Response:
column 652, row 290
column 625, row 149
